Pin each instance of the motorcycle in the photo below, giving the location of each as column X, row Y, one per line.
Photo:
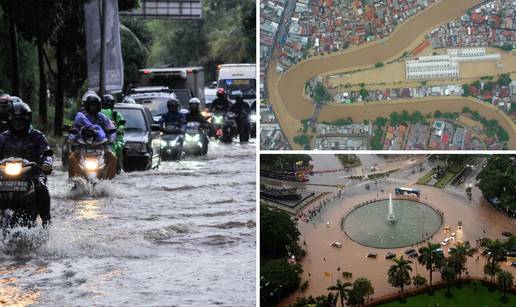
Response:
column 17, row 193
column 92, row 164
column 194, row 140
column 172, row 143
column 229, row 128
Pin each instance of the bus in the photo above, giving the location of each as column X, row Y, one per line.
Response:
column 238, row 77
column 407, row 191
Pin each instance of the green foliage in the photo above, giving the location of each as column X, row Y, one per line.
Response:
column 498, row 179
column 380, row 121
column 399, row 274
column 279, row 234
column 278, row 279
column 504, row 80
column 340, row 122
column 419, row 281
column 376, row 141
column 378, row 65
column 466, row 110
column 321, row 94
column 135, row 40
column 477, row 84
column 364, row 93
column 302, row 139
column 283, row 162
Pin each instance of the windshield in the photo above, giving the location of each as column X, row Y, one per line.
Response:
column 134, row 119
column 246, row 86
column 156, row 105
column 183, row 96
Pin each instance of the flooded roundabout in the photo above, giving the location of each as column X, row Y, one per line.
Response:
column 391, row 223
column 175, row 236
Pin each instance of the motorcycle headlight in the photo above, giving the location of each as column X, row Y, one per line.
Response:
column 196, row 138
column 91, row 165
column 13, row 169
column 218, row 119
column 172, row 143
column 253, row 118
column 163, row 143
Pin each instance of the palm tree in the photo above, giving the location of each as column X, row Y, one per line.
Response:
column 504, row 280
column 448, row 273
column 399, row 274
column 362, row 289
column 459, row 256
column 342, row 289
column 419, row 281
column 431, row 259
column 492, row 271
column 495, row 252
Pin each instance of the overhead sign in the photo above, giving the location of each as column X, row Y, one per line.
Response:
column 113, row 63
column 174, row 9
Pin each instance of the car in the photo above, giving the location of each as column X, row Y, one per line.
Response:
column 142, row 138
column 445, row 242
column 154, row 98
column 439, row 250
column 390, row 255
column 336, row 244
column 372, row 255
column 453, row 235
column 506, row 233
column 513, row 263
column 413, row 255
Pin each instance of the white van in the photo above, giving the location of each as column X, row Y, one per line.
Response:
column 238, row 77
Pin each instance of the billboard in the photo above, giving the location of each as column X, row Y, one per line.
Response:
column 113, row 63
column 174, row 9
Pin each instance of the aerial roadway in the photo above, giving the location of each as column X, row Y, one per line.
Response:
column 286, row 91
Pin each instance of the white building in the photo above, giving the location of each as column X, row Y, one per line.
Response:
column 445, row 66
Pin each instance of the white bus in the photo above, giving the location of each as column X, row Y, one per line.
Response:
column 242, row 77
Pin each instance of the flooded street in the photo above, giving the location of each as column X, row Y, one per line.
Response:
column 180, row 235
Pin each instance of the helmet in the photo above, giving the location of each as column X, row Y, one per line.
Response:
column 108, row 102
column 194, row 104
column 86, row 95
column 20, row 117
column 221, row 93
column 6, row 103
column 238, row 95
column 173, row 105
column 92, row 105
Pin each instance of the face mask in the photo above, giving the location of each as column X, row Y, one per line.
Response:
column 93, row 109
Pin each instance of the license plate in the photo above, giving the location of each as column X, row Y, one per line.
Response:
column 13, row 186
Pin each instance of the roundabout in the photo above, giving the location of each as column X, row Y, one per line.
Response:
column 373, row 225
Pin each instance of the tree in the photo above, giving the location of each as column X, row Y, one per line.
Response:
column 431, row 258
column 342, row 290
column 279, row 234
column 399, row 274
column 498, row 181
column 459, row 256
column 321, row 94
column 380, row 121
column 278, row 279
column 302, row 139
column 419, row 281
column 362, row 290
column 492, row 270
column 364, row 93
column 448, row 274
column 504, row 80
column 495, row 252
column 504, row 280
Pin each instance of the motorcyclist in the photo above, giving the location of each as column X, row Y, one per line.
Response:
column 195, row 115
column 22, row 141
column 242, row 110
column 221, row 103
column 173, row 119
column 108, row 105
column 91, row 118
column 6, row 104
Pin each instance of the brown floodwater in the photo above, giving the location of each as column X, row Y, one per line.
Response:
column 286, row 90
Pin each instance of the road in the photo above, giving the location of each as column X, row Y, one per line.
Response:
column 290, row 106
column 183, row 235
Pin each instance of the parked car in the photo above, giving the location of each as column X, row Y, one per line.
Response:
column 506, row 233
column 142, row 138
column 410, row 251
column 413, row 255
column 445, row 242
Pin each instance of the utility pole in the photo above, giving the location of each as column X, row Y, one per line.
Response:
column 102, row 72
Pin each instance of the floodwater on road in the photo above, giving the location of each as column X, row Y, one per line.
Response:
column 180, row 235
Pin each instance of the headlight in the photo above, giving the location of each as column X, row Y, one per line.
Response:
column 13, row 169
column 194, row 138
column 163, row 143
column 91, row 165
column 218, row 119
column 253, row 118
column 172, row 143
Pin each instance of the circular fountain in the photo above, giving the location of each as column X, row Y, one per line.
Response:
column 391, row 223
